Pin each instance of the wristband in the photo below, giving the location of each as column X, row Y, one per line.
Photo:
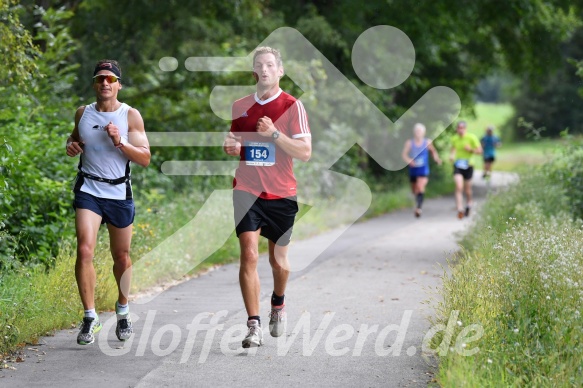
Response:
column 122, row 142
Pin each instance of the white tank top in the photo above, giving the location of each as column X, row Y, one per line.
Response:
column 100, row 158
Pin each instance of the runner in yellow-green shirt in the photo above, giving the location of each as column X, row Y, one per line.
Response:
column 463, row 147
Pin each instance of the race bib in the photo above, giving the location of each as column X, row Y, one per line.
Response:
column 419, row 161
column 259, row 154
column 462, row 164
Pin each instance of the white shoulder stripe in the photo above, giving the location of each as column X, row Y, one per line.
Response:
column 303, row 119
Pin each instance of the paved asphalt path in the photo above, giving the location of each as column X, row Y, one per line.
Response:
column 356, row 317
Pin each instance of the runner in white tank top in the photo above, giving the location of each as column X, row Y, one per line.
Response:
column 108, row 135
column 100, row 157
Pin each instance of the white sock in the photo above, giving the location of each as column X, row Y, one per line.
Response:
column 90, row 313
column 122, row 308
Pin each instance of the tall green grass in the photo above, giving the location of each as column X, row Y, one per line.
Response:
column 520, row 278
column 34, row 302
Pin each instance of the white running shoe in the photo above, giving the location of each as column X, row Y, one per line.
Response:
column 254, row 336
column 277, row 318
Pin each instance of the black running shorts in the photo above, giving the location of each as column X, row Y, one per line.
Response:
column 275, row 217
column 466, row 173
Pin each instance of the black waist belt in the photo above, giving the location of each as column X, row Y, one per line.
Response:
column 117, row 181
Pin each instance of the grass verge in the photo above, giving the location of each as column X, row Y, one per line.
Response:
column 517, row 287
column 35, row 303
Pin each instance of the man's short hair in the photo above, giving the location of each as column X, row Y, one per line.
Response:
column 268, row 50
column 461, row 123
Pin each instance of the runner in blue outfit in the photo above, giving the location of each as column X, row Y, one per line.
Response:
column 416, row 155
column 489, row 144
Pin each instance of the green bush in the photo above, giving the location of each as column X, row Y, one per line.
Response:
column 36, row 199
column 566, row 175
column 35, row 173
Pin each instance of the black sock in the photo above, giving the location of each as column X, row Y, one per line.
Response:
column 419, row 200
column 276, row 300
column 256, row 317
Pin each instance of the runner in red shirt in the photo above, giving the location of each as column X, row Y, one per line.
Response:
column 269, row 129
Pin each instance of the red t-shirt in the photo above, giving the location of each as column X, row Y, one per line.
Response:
column 265, row 170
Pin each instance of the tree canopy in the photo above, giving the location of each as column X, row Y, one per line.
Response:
column 49, row 49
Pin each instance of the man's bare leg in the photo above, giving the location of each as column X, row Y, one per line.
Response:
column 120, row 241
column 248, row 276
column 469, row 199
column 468, row 192
column 86, row 225
column 459, row 185
column 279, row 267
